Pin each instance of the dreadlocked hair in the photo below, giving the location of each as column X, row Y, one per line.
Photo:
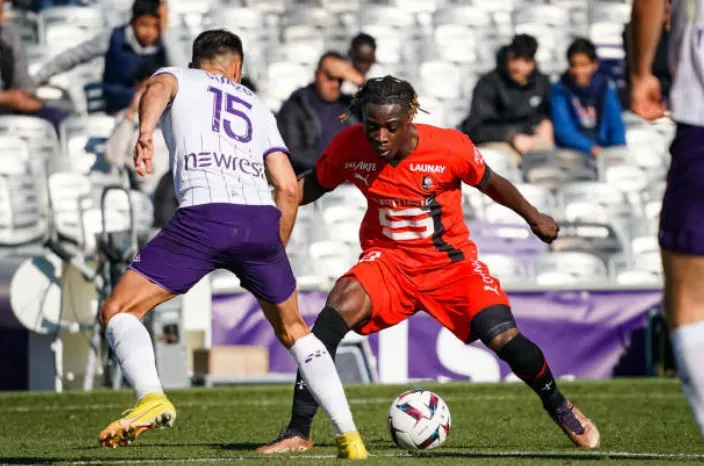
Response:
column 384, row 91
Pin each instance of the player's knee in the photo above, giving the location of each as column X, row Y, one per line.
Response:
column 290, row 331
column 351, row 301
column 494, row 326
column 110, row 308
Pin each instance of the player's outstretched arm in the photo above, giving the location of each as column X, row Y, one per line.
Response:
column 282, row 177
column 502, row 191
column 159, row 91
column 310, row 188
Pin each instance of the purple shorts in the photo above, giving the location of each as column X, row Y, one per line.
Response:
column 240, row 238
column 682, row 216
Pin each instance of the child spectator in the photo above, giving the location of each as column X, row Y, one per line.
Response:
column 584, row 105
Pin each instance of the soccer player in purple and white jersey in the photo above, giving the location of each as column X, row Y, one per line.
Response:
column 224, row 150
column 681, row 232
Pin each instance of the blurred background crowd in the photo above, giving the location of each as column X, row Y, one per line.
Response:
column 540, row 86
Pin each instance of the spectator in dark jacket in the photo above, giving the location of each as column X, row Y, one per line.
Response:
column 510, row 104
column 310, row 118
column 584, row 106
column 126, row 49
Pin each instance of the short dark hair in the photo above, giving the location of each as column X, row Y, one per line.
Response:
column 145, row 7
column 582, row 45
column 210, row 44
column 523, row 46
column 329, row 54
column 363, row 39
column 384, row 91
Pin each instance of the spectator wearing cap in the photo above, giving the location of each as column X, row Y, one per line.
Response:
column 126, row 49
column 510, row 104
column 584, row 105
column 16, row 86
column 309, row 119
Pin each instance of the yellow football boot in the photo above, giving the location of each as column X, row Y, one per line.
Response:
column 152, row 410
column 350, row 446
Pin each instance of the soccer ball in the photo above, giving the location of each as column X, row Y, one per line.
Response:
column 419, row 420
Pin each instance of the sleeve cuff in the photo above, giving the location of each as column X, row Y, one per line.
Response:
column 271, row 150
column 484, row 182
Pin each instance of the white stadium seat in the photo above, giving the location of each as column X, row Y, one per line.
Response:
column 440, row 79
column 582, row 267
column 286, row 77
column 506, row 268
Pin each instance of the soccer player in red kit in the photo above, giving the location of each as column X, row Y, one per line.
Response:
column 416, row 248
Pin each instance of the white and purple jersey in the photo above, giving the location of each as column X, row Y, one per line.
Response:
column 218, row 134
column 686, row 58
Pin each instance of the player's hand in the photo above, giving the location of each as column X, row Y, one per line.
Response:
column 342, row 69
column 545, row 228
column 646, row 97
column 143, row 154
column 523, row 143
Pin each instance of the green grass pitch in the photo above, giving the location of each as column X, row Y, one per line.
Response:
column 641, row 421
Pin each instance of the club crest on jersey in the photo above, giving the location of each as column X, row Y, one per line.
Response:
column 426, row 183
column 427, row 168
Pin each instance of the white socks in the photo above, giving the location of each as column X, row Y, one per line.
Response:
column 133, row 347
column 688, row 348
column 320, row 375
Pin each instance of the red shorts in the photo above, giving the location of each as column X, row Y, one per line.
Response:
column 452, row 293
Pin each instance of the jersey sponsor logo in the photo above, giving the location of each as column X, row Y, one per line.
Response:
column 426, row 183
column 361, row 166
column 203, row 160
column 363, row 179
column 427, row 168
column 399, row 202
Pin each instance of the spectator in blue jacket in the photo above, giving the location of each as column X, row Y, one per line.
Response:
column 584, row 105
column 126, row 49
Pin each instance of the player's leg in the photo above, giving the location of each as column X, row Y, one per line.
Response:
column 121, row 314
column 684, row 304
column 317, row 375
column 468, row 301
column 170, row 264
column 682, row 243
column 368, row 298
column 496, row 328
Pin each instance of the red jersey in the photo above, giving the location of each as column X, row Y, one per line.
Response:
column 414, row 207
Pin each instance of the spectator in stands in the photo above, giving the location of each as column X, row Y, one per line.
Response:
column 125, row 48
column 118, row 149
column 584, row 105
column 363, row 53
column 510, row 104
column 310, row 118
column 16, row 86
